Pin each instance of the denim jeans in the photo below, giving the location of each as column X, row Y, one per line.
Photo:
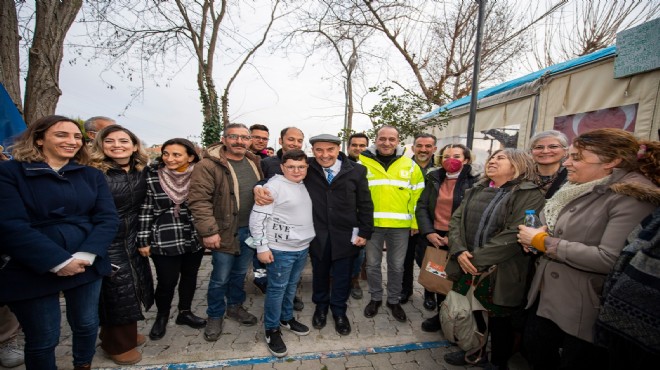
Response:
column 40, row 319
column 227, row 277
column 283, row 275
column 397, row 245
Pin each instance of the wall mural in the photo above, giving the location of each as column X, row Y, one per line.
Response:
column 623, row 117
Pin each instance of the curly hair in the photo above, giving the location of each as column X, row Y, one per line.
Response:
column 610, row 144
column 139, row 159
column 648, row 157
column 25, row 149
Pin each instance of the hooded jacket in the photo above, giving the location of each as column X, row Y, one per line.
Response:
column 213, row 198
column 589, row 235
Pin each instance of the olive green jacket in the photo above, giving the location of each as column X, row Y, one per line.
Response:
column 501, row 247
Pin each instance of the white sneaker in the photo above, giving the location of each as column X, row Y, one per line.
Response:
column 11, row 354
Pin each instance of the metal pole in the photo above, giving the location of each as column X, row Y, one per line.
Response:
column 475, row 74
column 343, row 141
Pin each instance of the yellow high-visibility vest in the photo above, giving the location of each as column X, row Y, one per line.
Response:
column 394, row 192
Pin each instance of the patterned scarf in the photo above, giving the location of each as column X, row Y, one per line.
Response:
column 544, row 182
column 565, row 195
column 176, row 185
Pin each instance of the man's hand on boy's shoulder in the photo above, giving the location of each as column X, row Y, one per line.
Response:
column 262, row 196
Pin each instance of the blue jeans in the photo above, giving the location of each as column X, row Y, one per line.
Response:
column 228, row 276
column 40, row 319
column 283, row 275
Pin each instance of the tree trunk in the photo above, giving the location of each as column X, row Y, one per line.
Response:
column 42, row 91
column 209, row 97
column 9, row 60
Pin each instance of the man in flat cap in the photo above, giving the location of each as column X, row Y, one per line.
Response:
column 342, row 211
column 343, row 220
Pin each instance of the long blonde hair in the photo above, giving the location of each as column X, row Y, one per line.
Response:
column 139, row 159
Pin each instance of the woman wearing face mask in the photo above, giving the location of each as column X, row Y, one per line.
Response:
column 442, row 194
column 167, row 234
column 119, row 154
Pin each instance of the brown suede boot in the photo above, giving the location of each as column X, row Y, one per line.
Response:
column 83, row 367
column 127, row 358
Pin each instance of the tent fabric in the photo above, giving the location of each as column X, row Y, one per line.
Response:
column 509, row 85
column 11, row 121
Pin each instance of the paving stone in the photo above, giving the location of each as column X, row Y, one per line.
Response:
column 182, row 343
column 334, row 363
column 402, row 357
column 380, row 362
column 287, row 364
column 357, row 362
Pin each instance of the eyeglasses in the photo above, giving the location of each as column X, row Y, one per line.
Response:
column 236, row 137
column 540, row 148
column 260, row 138
column 294, row 168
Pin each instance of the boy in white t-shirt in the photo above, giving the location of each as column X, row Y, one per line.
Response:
column 281, row 233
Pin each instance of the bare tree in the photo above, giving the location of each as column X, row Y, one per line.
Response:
column 144, row 38
column 582, row 27
column 9, row 52
column 52, row 20
column 437, row 40
column 327, row 26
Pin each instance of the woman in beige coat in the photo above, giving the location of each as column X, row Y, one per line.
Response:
column 612, row 186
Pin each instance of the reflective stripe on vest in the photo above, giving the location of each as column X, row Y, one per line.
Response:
column 393, row 216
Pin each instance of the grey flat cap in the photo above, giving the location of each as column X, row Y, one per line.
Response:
column 326, row 138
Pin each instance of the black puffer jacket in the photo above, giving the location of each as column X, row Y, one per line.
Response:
column 425, row 210
column 122, row 293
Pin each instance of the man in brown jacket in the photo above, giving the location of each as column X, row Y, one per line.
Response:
column 221, row 199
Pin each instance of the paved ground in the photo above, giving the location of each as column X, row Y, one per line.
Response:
column 377, row 343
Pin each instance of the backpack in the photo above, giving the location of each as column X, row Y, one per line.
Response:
column 459, row 325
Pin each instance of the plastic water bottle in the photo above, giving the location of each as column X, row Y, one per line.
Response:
column 532, row 221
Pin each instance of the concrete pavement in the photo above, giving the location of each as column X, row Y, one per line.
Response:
column 377, row 343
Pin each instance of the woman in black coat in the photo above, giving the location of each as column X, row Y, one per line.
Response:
column 443, row 193
column 118, row 153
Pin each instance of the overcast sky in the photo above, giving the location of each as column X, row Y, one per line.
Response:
column 278, row 95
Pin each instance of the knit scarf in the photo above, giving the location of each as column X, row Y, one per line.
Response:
column 565, row 195
column 176, row 185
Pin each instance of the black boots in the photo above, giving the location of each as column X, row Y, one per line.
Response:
column 160, row 326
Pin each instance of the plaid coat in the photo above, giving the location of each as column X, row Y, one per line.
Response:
column 167, row 235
